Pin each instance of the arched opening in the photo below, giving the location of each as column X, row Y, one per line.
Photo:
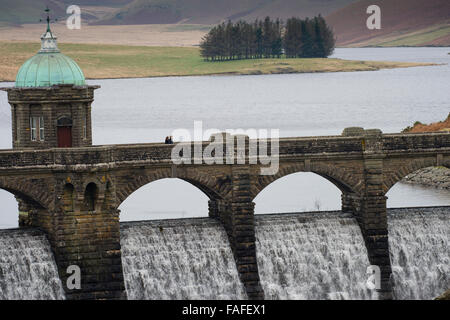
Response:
column 311, row 254
column 424, row 187
column 15, row 207
column 68, row 197
column 90, row 196
column 28, row 269
column 165, row 258
column 165, row 199
column 418, row 226
column 298, row 192
column 9, row 210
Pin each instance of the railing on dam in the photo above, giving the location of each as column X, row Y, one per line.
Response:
column 161, row 153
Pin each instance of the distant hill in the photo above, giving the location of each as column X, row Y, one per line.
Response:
column 17, row 12
column 215, row 11
column 97, row 2
column 403, row 23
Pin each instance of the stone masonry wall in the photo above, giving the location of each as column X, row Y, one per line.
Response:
column 83, row 225
column 51, row 103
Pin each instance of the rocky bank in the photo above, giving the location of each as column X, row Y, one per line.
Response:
column 438, row 177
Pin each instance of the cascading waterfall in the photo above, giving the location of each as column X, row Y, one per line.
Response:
column 27, row 267
column 420, row 256
column 322, row 255
column 312, row 256
column 179, row 259
column 300, row 256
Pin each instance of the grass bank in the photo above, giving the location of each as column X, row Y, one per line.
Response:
column 100, row 61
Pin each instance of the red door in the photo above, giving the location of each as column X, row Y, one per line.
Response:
column 64, row 137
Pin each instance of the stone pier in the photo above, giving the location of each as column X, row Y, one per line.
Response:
column 73, row 194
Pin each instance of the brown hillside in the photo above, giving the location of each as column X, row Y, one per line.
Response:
column 433, row 127
column 398, row 17
column 215, row 11
column 300, row 8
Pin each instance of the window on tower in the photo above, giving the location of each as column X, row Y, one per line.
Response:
column 37, row 128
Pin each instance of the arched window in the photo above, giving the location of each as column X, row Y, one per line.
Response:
column 90, row 196
column 64, row 122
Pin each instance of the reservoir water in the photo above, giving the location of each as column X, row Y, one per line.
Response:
column 195, row 260
column 147, row 110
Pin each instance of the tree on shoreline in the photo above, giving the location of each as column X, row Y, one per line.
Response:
column 308, row 38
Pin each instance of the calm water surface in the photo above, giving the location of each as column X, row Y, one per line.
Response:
column 147, row 110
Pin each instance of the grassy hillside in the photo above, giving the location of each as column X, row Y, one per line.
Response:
column 403, row 23
column 214, row 11
column 112, row 61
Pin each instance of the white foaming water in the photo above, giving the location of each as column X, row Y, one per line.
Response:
column 179, row 259
column 300, row 256
column 312, row 256
column 420, row 258
column 27, row 268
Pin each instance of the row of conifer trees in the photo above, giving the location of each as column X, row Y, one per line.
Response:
column 305, row 38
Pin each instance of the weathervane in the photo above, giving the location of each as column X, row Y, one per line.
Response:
column 48, row 41
column 47, row 10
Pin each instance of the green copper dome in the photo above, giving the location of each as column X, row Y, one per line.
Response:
column 49, row 67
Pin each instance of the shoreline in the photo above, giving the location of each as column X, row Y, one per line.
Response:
column 388, row 65
column 436, row 177
column 100, row 61
column 257, row 73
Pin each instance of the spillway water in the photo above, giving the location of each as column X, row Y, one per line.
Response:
column 312, row 256
column 322, row 255
column 420, row 254
column 27, row 267
column 179, row 259
column 317, row 255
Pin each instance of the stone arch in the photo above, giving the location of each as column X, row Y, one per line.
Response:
column 95, row 180
column 64, row 121
column 394, row 176
column 344, row 181
column 205, row 183
column 35, row 192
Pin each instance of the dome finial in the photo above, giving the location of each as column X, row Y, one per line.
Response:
column 48, row 41
column 47, row 10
